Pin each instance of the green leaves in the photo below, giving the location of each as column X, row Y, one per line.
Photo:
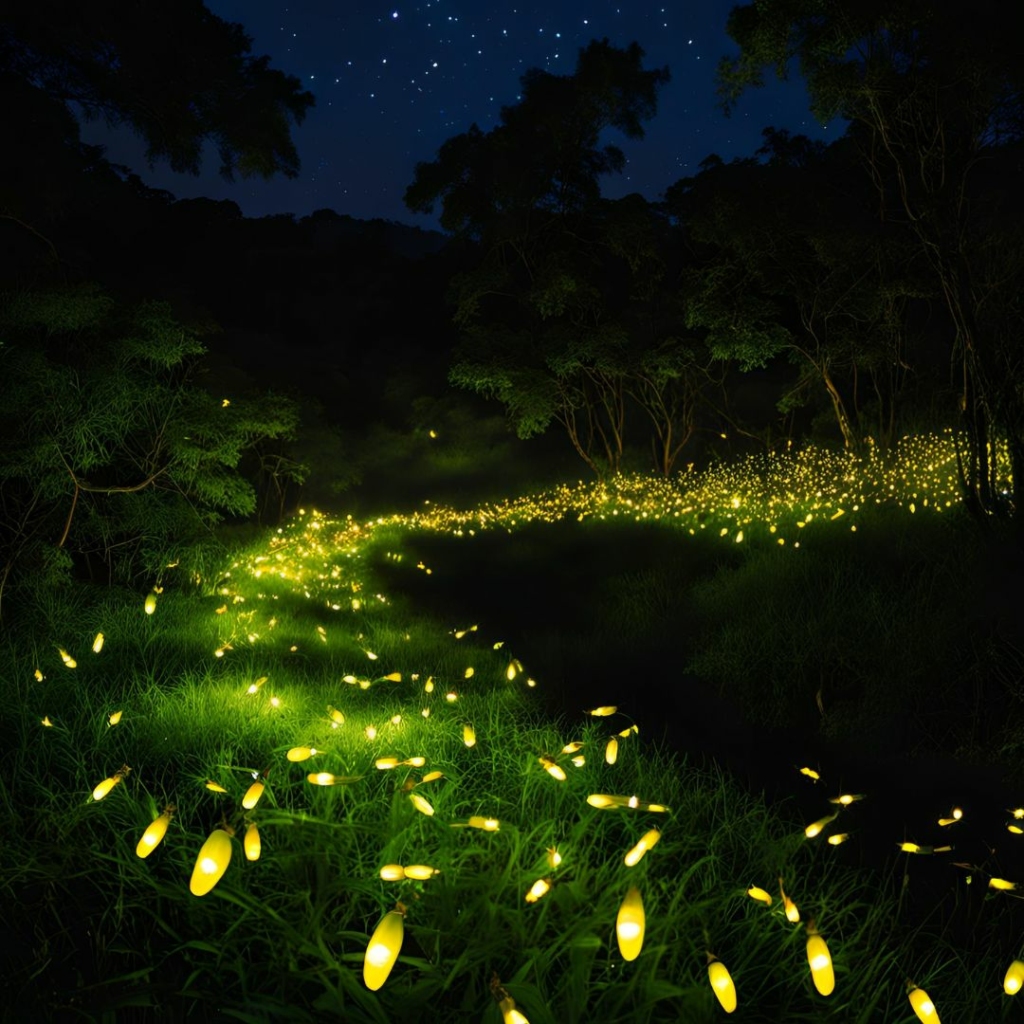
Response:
column 110, row 448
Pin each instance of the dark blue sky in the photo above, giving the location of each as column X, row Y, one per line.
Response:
column 393, row 81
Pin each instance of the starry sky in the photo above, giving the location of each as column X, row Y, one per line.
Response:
column 393, row 81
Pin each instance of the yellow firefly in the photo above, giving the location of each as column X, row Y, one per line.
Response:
column 539, row 888
column 66, row 658
column 252, row 795
column 604, row 711
column 629, row 924
column 1014, row 978
column 1001, row 884
column 756, row 893
column 251, row 843
column 108, row 784
column 922, row 1004
column 97, row 644
column 215, row 787
column 810, row 773
column 721, row 983
column 792, row 913
column 647, row 842
column 383, row 948
column 483, row 823
column 301, row 753
column 420, row 872
column 553, row 769
column 114, row 718
column 469, row 735
column 212, row 862
column 150, row 605
column 815, row 827
column 151, row 838
column 611, row 751
column 421, row 804
column 820, row 961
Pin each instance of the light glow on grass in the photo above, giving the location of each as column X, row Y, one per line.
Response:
column 290, row 608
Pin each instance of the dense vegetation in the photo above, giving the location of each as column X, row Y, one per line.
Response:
column 794, row 387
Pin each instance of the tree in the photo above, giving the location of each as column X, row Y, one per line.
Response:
column 176, row 74
column 112, row 452
column 543, row 310
column 787, row 259
column 935, row 104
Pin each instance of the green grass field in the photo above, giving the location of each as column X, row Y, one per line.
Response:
column 445, row 667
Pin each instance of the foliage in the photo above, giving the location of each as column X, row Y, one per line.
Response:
column 177, row 75
column 112, row 450
column 934, row 101
column 220, row 686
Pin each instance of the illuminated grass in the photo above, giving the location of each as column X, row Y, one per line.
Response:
column 220, row 687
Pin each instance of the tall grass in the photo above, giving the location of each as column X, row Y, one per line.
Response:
column 225, row 678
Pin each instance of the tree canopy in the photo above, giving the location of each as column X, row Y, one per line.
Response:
column 935, row 97
column 176, row 74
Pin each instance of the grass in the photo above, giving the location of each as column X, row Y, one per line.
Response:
column 607, row 611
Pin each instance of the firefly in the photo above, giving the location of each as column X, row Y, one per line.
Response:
column 212, row 862
column 153, row 835
column 815, row 827
column 39, row 675
column 721, row 983
column 150, row 605
column 468, row 735
column 301, row 753
column 1014, row 978
column 252, row 843
column 611, row 751
column 66, row 658
column 838, row 838
column 421, row 804
column 420, row 872
column 554, row 857
column 393, row 677
column 922, row 1004
column 810, row 773
column 539, row 888
column 383, row 948
column 845, row 799
column 46, row 721
column 114, row 718
column 97, row 644
column 756, row 893
column 392, row 872
column 792, row 913
column 215, row 787
column 486, row 824
column 553, row 769
column 629, row 924
column 603, row 712
column 252, row 795
column 255, row 687
column 647, row 842
column 820, row 961
column 1002, row 884
column 108, row 784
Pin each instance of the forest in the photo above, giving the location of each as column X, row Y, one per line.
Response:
column 743, row 455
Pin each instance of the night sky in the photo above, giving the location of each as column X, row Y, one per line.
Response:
column 392, row 82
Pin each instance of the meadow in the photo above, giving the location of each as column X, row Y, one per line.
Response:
column 774, row 703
